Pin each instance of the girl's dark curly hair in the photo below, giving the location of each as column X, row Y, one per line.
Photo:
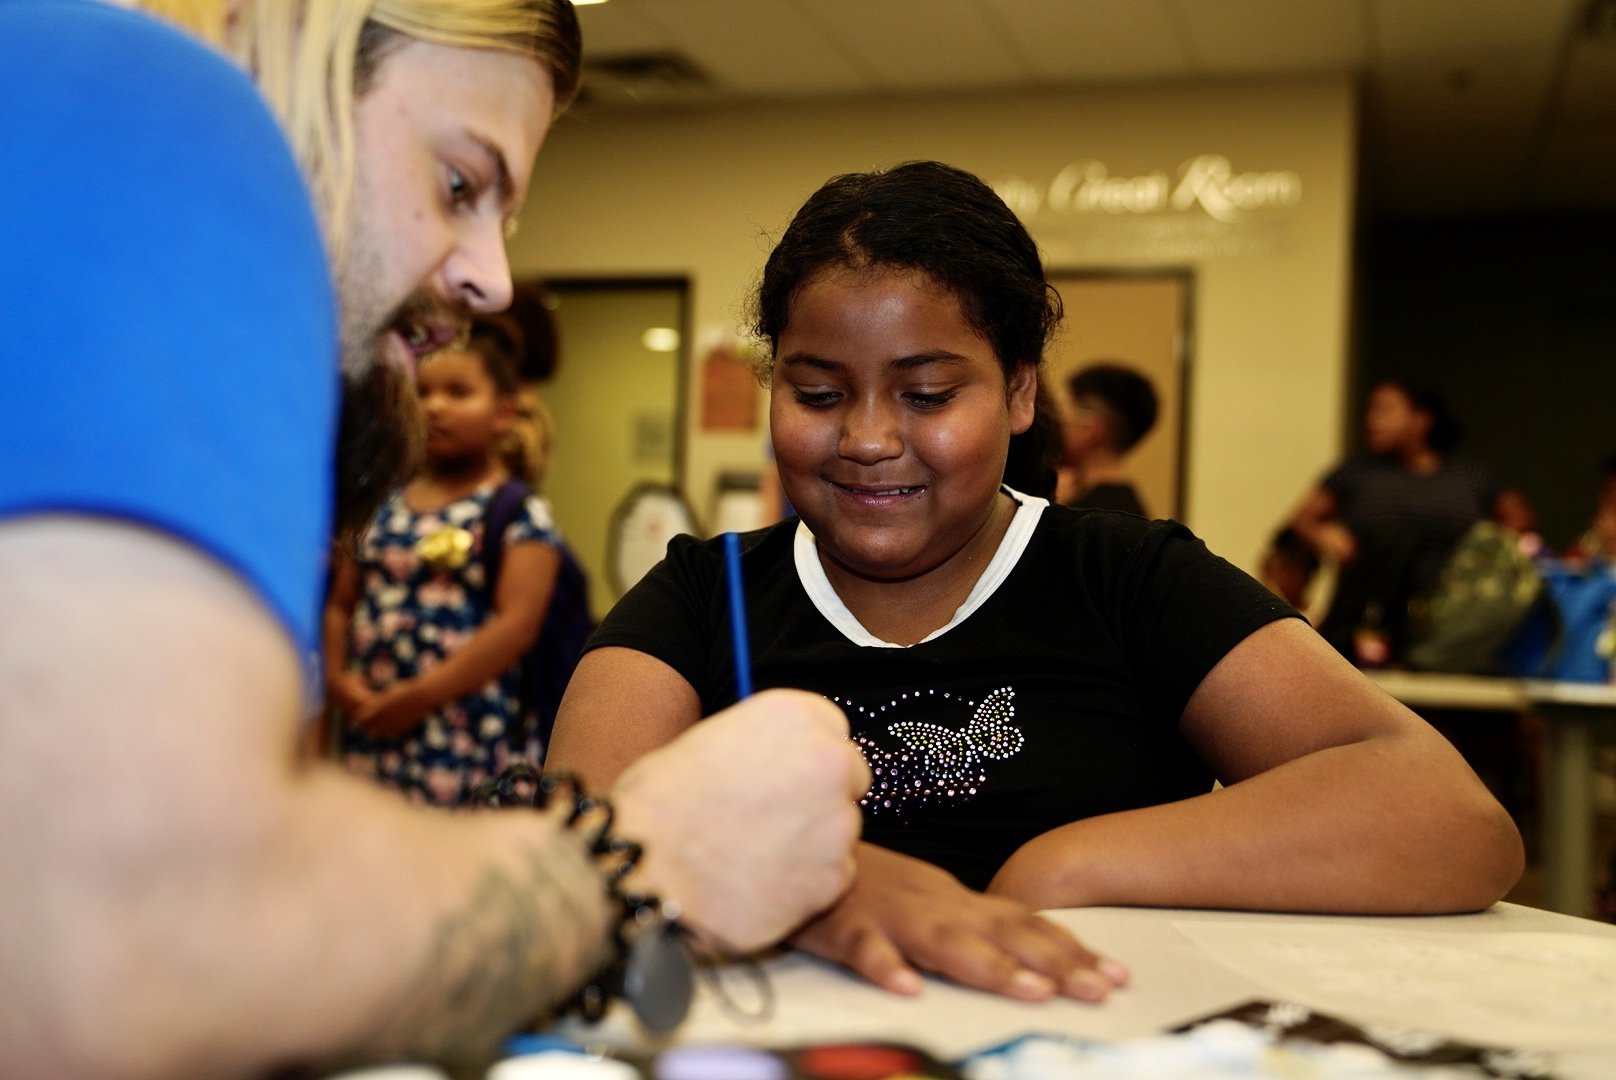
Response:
column 939, row 221
column 927, row 217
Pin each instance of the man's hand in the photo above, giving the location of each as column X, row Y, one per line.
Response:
column 903, row 914
column 749, row 818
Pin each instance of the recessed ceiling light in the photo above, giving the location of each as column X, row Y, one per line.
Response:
column 660, row 339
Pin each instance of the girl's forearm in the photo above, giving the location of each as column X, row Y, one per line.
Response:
column 494, row 648
column 1338, row 830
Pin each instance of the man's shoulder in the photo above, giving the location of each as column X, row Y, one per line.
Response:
column 124, row 90
column 38, row 32
column 168, row 283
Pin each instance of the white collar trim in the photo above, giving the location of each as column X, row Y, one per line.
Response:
column 811, row 572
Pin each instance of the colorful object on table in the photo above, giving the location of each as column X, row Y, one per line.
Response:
column 866, row 1061
column 538, row 1042
column 560, row 1059
column 563, row 1065
column 1571, row 635
column 720, row 1063
column 1258, row 1040
column 1408, row 1046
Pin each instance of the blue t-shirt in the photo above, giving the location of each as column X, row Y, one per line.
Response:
column 169, row 353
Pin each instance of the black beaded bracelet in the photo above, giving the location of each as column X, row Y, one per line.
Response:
column 651, row 966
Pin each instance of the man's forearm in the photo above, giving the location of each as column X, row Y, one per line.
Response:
column 357, row 928
column 524, row 940
column 192, row 900
column 512, row 921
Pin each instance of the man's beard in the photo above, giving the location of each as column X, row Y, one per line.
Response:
column 380, row 431
column 379, row 439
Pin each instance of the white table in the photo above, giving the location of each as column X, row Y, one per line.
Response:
column 1512, row 976
column 1575, row 715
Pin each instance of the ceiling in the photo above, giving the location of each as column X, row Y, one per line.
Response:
column 1469, row 106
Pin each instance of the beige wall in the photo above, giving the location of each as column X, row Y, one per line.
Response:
column 701, row 193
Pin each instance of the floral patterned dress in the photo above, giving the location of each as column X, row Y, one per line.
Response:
column 422, row 595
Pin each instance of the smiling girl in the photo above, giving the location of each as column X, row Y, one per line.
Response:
column 1044, row 695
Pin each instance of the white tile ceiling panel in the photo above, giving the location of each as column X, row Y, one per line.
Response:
column 905, row 44
column 1264, row 37
column 1426, row 28
column 1459, row 94
column 757, row 48
column 1089, row 41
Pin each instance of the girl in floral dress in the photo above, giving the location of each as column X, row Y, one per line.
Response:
column 421, row 649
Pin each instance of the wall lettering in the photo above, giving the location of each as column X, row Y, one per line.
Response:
column 1206, row 183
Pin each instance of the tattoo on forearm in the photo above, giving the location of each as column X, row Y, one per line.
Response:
column 514, row 950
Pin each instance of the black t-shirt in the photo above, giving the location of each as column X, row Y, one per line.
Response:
column 1054, row 695
column 1405, row 524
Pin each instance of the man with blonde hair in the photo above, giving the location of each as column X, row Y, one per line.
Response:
column 184, row 896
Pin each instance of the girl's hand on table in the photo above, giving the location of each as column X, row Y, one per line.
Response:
column 903, row 916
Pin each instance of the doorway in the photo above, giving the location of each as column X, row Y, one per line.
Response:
column 616, row 403
column 1141, row 320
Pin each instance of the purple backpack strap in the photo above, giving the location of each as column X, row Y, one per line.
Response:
column 503, row 509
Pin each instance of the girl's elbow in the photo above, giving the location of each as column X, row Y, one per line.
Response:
column 1507, row 854
column 1494, row 860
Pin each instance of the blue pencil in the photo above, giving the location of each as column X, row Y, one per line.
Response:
column 737, row 614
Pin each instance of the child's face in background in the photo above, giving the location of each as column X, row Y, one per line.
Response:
column 464, row 412
column 891, row 421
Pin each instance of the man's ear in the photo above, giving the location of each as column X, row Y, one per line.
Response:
column 1023, row 397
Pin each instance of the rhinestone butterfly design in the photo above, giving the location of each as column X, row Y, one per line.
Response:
column 936, row 762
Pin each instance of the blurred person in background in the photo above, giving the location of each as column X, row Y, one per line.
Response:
column 1288, row 567
column 1388, row 517
column 1598, row 541
column 423, row 633
column 1111, row 408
